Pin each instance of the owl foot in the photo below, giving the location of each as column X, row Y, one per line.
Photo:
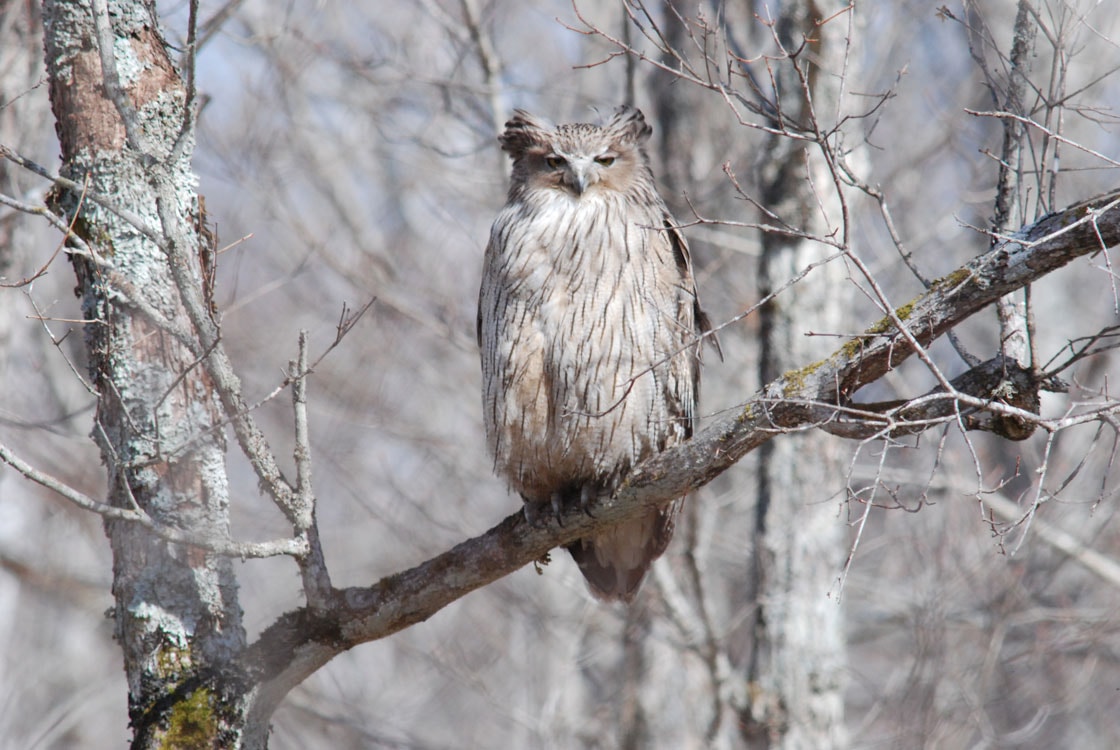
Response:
column 587, row 496
column 533, row 514
column 558, row 507
column 536, row 513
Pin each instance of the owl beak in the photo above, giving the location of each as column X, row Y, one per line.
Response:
column 582, row 177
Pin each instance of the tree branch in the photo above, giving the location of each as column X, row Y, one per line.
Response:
column 1101, row 565
column 302, row 641
column 312, row 566
column 136, row 514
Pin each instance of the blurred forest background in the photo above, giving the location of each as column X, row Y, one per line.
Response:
column 347, row 151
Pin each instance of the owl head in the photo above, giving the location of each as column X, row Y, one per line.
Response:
column 578, row 159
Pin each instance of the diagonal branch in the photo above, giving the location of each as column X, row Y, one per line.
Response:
column 302, row 641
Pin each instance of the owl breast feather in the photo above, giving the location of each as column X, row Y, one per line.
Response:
column 584, row 340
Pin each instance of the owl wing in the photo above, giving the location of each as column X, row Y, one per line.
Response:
column 695, row 328
column 702, row 324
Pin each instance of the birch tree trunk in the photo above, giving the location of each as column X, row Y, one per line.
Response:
column 126, row 133
column 797, row 653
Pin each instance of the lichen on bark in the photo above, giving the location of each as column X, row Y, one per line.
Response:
column 177, row 614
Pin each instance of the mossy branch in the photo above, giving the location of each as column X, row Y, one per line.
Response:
column 817, row 395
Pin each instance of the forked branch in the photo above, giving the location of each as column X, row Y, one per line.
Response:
column 302, row 641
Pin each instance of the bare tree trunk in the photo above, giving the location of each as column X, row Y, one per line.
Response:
column 1012, row 188
column 797, row 654
column 126, row 133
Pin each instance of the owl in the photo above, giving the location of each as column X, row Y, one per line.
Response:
column 589, row 331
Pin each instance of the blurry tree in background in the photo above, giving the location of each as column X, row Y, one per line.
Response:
column 919, row 549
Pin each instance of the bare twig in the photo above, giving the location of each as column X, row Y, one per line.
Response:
column 215, row 22
column 80, row 190
column 57, row 342
column 1097, row 563
column 218, row 366
column 77, row 246
column 1052, row 134
column 135, row 514
column 313, row 566
column 111, row 77
column 488, row 61
column 190, row 106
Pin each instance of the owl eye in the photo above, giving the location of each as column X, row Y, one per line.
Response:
column 606, row 161
column 555, row 162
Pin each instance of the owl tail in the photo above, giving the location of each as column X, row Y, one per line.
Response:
column 615, row 561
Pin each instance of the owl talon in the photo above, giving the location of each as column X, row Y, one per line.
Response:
column 558, row 507
column 534, row 515
column 586, row 498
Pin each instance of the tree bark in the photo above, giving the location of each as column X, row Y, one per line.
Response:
column 126, row 133
column 1012, row 185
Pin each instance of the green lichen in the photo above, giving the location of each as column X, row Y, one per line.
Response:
column 885, row 324
column 953, row 280
column 906, row 310
column 191, row 723
column 172, row 662
column 795, row 379
column 852, row 348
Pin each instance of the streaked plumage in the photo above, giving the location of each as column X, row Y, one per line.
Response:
column 588, row 325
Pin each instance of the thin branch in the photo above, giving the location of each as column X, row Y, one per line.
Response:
column 297, row 374
column 1052, row 134
column 907, row 257
column 488, row 61
column 227, row 547
column 312, row 566
column 1101, row 565
column 77, row 246
column 214, row 24
column 79, row 190
column 111, row 79
column 57, row 342
column 218, row 365
column 347, row 320
column 190, row 114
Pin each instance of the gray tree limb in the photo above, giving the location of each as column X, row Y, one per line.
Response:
column 302, row 641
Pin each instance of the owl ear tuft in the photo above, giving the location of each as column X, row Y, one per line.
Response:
column 522, row 132
column 629, row 124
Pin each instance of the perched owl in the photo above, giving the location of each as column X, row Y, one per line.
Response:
column 589, row 330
